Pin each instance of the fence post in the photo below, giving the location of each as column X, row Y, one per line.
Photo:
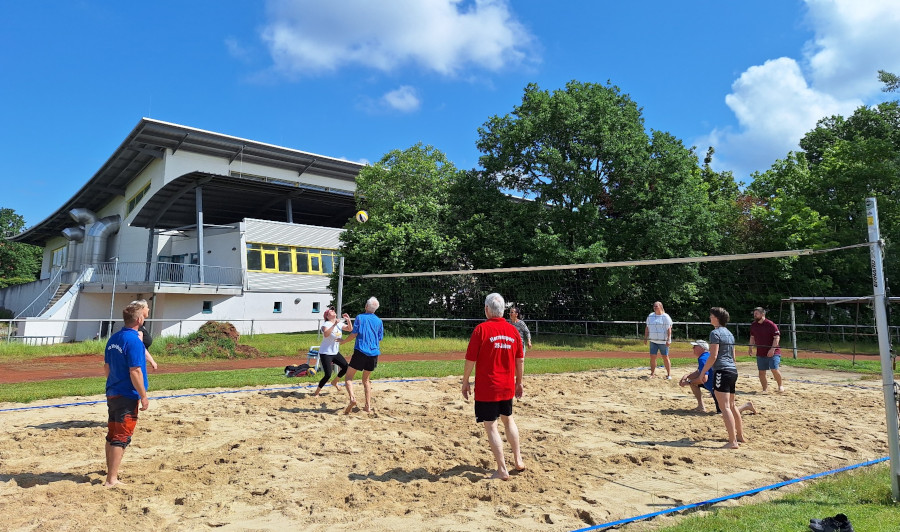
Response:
column 433, row 328
column 793, row 331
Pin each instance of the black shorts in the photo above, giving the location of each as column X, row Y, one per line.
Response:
column 363, row 362
column 491, row 410
column 724, row 381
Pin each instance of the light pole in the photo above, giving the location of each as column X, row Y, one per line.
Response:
column 112, row 301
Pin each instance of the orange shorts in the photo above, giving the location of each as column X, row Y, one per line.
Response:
column 123, row 416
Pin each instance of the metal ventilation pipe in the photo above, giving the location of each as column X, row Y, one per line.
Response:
column 97, row 236
column 74, row 235
column 84, row 217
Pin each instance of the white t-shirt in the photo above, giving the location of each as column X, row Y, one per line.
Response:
column 659, row 325
column 330, row 345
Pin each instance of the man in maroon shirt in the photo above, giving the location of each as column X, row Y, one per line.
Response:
column 766, row 337
column 495, row 352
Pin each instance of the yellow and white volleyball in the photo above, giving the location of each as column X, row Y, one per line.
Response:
column 362, row 216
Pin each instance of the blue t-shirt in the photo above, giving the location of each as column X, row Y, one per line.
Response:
column 124, row 351
column 701, row 361
column 369, row 332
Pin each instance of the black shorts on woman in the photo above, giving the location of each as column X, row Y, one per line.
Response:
column 724, row 381
column 363, row 362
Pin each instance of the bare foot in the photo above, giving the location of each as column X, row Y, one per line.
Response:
column 316, row 394
column 742, row 439
column 699, row 410
column 501, row 476
column 652, row 374
column 520, row 466
column 369, row 409
column 334, row 383
column 114, row 484
column 748, row 407
column 350, row 406
column 731, row 445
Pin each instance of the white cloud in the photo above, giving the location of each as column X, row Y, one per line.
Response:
column 237, row 50
column 853, row 40
column 307, row 37
column 402, row 99
column 777, row 103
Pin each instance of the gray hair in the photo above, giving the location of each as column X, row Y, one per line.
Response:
column 372, row 304
column 495, row 305
column 140, row 303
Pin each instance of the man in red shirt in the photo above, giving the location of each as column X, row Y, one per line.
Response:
column 766, row 337
column 495, row 352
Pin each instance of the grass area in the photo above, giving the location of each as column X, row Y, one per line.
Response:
column 864, row 495
column 25, row 392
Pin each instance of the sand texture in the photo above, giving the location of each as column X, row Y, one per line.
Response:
column 599, row 446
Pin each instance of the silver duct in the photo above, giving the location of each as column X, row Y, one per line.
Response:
column 74, row 235
column 84, row 217
column 97, row 236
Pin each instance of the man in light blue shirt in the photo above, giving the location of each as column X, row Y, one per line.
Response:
column 368, row 331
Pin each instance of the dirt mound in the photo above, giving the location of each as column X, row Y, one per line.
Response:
column 213, row 339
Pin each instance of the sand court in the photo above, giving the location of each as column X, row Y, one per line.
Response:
column 599, row 446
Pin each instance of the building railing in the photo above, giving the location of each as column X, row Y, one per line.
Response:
column 40, row 302
column 165, row 273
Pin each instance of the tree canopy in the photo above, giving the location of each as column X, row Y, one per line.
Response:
column 19, row 263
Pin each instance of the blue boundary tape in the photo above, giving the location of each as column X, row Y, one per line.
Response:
column 620, row 522
column 298, row 386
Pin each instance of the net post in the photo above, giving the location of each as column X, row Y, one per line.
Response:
column 340, row 293
column 876, row 251
column 794, row 330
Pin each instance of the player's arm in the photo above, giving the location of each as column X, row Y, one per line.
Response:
column 467, row 372
column 348, row 325
column 752, row 345
column 137, row 380
column 150, row 360
column 520, row 375
column 349, row 338
column 646, row 333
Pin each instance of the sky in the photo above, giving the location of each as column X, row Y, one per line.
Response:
column 356, row 79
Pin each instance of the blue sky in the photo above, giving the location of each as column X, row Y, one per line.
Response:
column 358, row 78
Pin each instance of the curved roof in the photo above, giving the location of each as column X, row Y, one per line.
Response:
column 150, row 139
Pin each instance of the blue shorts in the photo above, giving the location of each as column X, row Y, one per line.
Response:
column 766, row 363
column 662, row 349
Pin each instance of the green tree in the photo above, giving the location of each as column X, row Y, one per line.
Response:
column 891, row 81
column 406, row 195
column 610, row 192
column 19, row 263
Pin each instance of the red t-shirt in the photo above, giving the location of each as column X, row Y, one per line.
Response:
column 494, row 347
column 763, row 335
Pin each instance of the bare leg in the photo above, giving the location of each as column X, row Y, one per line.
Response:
column 698, row 394
column 763, row 380
column 725, row 400
column 348, row 385
column 512, row 436
column 497, row 448
column 113, row 461
column 738, row 420
column 367, row 388
column 777, row 375
column 668, row 364
column 652, row 365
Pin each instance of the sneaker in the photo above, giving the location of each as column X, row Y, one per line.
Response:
column 838, row 523
column 668, row 377
column 841, row 523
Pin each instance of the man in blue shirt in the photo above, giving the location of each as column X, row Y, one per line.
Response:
column 125, row 366
column 696, row 382
column 368, row 331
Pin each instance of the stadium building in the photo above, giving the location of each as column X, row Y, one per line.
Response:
column 204, row 225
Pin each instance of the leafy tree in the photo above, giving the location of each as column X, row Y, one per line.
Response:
column 891, row 81
column 610, row 192
column 406, row 194
column 19, row 263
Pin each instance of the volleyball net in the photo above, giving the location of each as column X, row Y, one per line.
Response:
column 611, row 299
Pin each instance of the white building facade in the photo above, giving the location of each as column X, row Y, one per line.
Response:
column 204, row 226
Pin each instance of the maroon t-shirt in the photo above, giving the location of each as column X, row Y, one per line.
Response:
column 494, row 347
column 763, row 335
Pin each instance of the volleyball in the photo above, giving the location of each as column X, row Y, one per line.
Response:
column 362, row 216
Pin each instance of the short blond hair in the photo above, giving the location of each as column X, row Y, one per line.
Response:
column 132, row 314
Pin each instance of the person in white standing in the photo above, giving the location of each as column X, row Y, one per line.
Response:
column 329, row 351
column 658, row 333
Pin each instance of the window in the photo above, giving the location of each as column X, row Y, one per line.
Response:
column 207, row 307
column 277, row 308
column 133, row 202
column 58, row 258
column 315, row 306
column 289, row 259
